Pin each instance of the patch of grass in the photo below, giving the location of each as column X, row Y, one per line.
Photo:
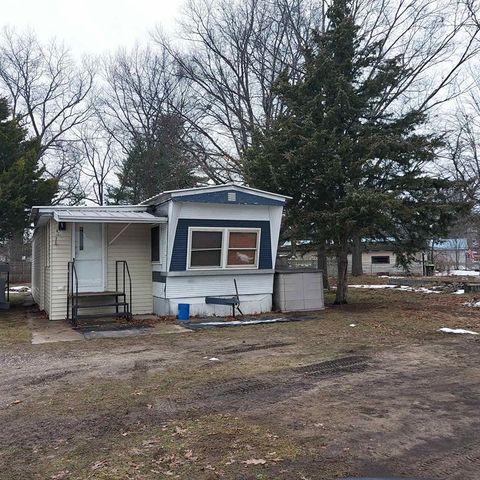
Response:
column 148, row 419
column 139, row 387
column 13, row 328
column 18, row 298
column 206, row 447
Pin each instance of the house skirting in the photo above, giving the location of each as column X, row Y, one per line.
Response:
column 249, row 304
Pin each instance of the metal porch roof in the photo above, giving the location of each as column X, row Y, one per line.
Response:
column 98, row 215
column 106, row 216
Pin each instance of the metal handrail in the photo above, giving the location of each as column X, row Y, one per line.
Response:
column 72, row 284
column 129, row 287
column 8, row 283
column 125, row 273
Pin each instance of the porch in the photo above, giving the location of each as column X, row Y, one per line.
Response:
column 94, row 262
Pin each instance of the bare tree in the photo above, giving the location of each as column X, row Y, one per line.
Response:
column 461, row 158
column 233, row 54
column 433, row 38
column 142, row 98
column 49, row 92
column 473, row 9
column 435, row 41
column 96, row 150
column 140, row 87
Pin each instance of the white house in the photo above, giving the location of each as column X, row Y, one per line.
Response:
column 177, row 247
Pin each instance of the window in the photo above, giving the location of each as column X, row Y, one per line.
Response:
column 155, row 243
column 81, row 238
column 242, row 249
column 206, row 249
column 223, row 248
column 385, row 259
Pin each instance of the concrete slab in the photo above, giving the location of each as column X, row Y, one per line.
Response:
column 168, row 328
column 161, row 329
column 48, row 331
column 45, row 331
column 131, row 332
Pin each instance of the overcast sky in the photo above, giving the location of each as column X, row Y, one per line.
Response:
column 91, row 26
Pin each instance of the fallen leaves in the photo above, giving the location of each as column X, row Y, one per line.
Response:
column 60, row 475
column 98, row 464
column 180, row 430
column 255, row 461
column 190, row 456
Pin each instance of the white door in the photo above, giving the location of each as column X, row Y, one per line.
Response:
column 89, row 256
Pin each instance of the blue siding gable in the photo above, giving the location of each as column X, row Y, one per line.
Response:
column 241, row 198
column 178, row 262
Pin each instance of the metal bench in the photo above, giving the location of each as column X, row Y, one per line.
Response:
column 234, row 301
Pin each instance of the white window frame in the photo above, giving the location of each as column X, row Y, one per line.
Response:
column 224, row 248
column 257, row 246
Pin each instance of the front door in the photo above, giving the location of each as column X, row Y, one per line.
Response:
column 89, row 256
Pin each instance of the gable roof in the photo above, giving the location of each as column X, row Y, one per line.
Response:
column 230, row 193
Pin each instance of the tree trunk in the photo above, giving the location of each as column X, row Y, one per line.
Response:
column 357, row 268
column 342, row 278
column 322, row 264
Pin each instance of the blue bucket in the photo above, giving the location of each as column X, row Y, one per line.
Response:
column 183, row 311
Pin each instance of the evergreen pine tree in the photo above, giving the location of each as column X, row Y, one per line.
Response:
column 352, row 169
column 155, row 163
column 21, row 179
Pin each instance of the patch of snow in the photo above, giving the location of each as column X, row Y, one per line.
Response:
column 460, row 273
column 214, row 359
column 457, row 330
column 389, row 276
column 402, row 288
column 459, row 292
column 20, row 289
column 244, row 322
column 374, row 285
column 353, row 325
column 473, row 303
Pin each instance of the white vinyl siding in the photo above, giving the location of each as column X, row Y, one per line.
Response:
column 50, row 283
column 46, row 269
column 255, row 293
column 38, row 266
column 133, row 245
column 60, row 255
column 218, row 285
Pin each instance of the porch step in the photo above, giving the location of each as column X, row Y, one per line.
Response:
column 94, row 301
column 116, row 304
column 98, row 294
column 102, row 315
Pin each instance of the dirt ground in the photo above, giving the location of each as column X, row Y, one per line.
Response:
column 317, row 399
